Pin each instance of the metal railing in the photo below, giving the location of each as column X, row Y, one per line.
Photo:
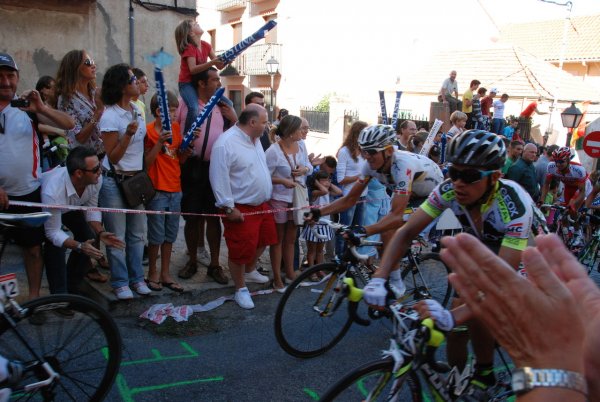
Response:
column 318, row 121
column 256, row 57
column 227, row 5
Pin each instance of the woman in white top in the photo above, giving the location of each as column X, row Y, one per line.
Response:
column 349, row 168
column 289, row 166
column 123, row 133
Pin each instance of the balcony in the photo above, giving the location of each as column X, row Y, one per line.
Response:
column 229, row 5
column 254, row 60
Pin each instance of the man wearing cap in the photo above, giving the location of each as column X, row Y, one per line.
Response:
column 20, row 169
column 486, row 104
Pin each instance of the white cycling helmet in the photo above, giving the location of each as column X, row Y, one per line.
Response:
column 377, row 137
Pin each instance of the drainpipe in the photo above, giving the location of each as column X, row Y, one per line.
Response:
column 131, row 35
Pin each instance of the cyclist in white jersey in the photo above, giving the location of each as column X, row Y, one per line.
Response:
column 407, row 175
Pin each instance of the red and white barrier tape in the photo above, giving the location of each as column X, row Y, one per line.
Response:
column 149, row 212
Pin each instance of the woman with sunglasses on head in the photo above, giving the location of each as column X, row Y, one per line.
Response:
column 499, row 212
column 77, row 96
column 123, row 131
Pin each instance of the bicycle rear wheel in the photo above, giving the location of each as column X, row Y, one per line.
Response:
column 79, row 340
column 312, row 317
column 375, row 381
column 427, row 278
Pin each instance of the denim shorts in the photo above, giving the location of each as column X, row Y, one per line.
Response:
column 163, row 228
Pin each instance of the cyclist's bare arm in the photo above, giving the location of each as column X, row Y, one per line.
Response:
column 580, row 196
column 401, row 241
column 511, row 256
column 545, row 189
column 393, row 220
column 347, row 201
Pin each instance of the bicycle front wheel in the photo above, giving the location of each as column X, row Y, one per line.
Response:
column 79, row 340
column 588, row 256
column 427, row 278
column 312, row 317
column 375, row 381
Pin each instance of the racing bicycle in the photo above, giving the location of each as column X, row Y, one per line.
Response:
column 408, row 370
column 69, row 348
column 312, row 317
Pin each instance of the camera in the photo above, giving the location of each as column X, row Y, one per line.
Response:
column 19, row 103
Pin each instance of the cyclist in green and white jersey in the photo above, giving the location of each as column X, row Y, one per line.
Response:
column 499, row 212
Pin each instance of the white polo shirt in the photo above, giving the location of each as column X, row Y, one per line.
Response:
column 20, row 168
column 116, row 119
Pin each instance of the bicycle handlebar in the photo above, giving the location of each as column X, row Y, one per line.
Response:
column 341, row 228
column 422, row 343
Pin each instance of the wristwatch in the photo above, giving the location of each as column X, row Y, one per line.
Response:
column 228, row 210
column 526, row 378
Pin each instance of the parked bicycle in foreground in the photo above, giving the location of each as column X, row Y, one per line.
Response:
column 312, row 317
column 68, row 347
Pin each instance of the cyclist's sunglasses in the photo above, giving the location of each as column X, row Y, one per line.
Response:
column 468, row 176
column 560, row 161
column 372, row 152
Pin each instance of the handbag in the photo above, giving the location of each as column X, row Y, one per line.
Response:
column 137, row 189
column 299, row 196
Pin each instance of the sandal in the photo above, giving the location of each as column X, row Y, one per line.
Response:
column 174, row 286
column 153, row 285
column 96, row 276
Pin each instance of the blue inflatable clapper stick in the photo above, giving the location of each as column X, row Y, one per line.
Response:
column 212, row 102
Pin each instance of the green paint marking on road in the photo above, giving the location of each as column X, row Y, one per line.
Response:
column 157, row 357
column 311, row 393
column 128, row 393
column 124, row 389
column 134, row 391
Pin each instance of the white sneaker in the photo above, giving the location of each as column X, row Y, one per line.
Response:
column 123, row 293
column 141, row 288
column 255, row 277
column 243, row 299
column 203, row 257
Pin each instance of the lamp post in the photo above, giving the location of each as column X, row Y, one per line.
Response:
column 563, row 48
column 571, row 117
column 272, row 69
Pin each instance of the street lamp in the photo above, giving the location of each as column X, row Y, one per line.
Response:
column 571, row 117
column 272, row 69
column 569, row 7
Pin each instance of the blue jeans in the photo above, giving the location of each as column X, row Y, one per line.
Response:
column 497, row 126
column 66, row 278
column 163, row 228
column 352, row 216
column 190, row 97
column 125, row 265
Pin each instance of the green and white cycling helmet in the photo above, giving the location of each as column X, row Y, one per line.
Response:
column 376, row 137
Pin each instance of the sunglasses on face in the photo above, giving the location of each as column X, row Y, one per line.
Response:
column 560, row 162
column 94, row 170
column 468, row 176
column 88, row 62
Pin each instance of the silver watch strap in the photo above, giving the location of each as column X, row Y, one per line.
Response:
column 552, row 378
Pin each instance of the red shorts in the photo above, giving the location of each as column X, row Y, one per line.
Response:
column 243, row 238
